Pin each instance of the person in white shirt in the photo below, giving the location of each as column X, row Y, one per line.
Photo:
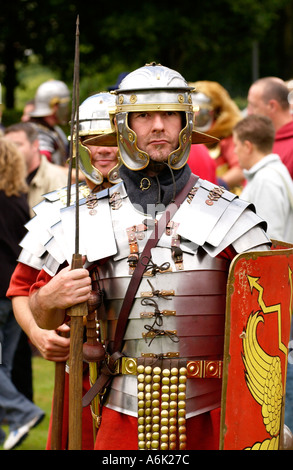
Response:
column 269, row 185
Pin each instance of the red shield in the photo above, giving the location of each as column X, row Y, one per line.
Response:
column 259, row 303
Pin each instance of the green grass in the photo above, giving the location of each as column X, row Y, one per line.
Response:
column 43, row 383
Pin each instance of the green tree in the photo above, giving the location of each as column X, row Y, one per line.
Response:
column 207, row 39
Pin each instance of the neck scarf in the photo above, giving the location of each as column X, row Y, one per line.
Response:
column 153, row 194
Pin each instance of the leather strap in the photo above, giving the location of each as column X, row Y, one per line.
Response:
column 160, row 226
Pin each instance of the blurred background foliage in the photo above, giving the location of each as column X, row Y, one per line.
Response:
column 222, row 40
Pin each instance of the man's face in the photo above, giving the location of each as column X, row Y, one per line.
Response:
column 157, row 132
column 103, row 158
column 26, row 148
column 256, row 103
column 241, row 150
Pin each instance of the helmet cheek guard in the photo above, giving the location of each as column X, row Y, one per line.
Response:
column 85, row 165
column 132, row 157
column 95, row 120
column 91, row 172
column 179, row 157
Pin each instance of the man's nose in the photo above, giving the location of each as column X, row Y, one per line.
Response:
column 104, row 150
column 158, row 122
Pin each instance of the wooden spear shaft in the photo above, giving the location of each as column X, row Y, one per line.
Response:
column 76, row 368
column 59, row 384
column 76, row 312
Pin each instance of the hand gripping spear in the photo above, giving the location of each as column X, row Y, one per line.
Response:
column 76, row 312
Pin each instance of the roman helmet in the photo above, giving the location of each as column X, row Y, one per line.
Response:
column 49, row 94
column 203, row 111
column 154, row 88
column 94, row 120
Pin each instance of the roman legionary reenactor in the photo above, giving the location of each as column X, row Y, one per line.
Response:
column 158, row 248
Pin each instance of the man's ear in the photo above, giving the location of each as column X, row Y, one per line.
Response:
column 36, row 144
column 248, row 145
column 273, row 105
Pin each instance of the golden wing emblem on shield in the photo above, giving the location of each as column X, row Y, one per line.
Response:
column 264, row 379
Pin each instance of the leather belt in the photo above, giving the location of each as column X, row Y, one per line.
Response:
column 196, row 369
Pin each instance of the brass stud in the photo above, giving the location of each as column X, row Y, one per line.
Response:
column 140, row 369
column 156, row 418
column 164, row 419
column 181, row 396
column 165, row 380
column 155, row 436
column 182, row 429
column 148, row 370
column 156, row 411
column 174, row 379
column 156, row 386
column 172, row 437
column 164, row 414
column 173, row 421
column 164, row 435
column 156, row 394
column 181, row 413
column 164, row 430
column 155, row 444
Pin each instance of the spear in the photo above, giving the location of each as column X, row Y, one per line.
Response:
column 59, row 382
column 76, row 312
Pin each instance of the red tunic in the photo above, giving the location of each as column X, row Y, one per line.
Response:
column 21, row 281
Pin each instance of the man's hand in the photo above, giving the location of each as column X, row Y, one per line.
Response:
column 52, row 346
column 68, row 288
